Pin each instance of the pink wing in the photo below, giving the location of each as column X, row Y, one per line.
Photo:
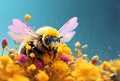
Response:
column 18, row 38
column 66, row 31
column 20, row 31
column 68, row 36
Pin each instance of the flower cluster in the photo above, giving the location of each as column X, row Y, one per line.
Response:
column 65, row 67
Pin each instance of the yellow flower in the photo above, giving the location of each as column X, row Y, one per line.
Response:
column 17, row 77
column 42, row 76
column 32, row 55
column 60, row 65
column 27, row 17
column 117, row 63
column 1, row 67
column 81, row 79
column 116, row 66
column 64, row 49
column 5, row 59
column 99, row 79
column 31, row 68
column 59, row 71
column 10, row 68
column 69, row 78
column 11, row 79
column 51, row 32
column 113, row 68
column 106, row 76
column 107, row 66
column 85, row 71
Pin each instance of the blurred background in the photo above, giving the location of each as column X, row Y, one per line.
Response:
column 99, row 21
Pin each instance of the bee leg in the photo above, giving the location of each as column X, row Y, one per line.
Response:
column 55, row 52
column 23, row 50
column 32, row 60
column 37, row 53
column 49, row 54
column 28, row 55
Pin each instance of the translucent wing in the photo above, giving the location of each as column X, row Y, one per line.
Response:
column 18, row 38
column 20, row 31
column 68, row 36
column 66, row 31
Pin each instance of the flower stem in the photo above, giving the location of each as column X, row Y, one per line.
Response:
column 32, row 61
column 2, row 52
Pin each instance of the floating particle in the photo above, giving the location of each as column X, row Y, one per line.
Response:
column 109, row 48
column 118, row 55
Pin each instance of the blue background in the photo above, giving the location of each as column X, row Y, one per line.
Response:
column 99, row 21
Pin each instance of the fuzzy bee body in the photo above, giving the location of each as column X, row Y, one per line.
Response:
column 39, row 46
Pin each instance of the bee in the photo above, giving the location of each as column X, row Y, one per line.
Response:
column 44, row 40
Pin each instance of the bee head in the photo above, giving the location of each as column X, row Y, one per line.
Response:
column 52, row 42
column 50, row 37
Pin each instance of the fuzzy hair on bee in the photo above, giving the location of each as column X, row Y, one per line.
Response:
column 38, row 45
column 44, row 40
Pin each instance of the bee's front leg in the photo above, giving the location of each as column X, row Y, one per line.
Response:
column 37, row 53
column 55, row 52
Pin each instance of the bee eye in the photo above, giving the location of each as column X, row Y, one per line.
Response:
column 47, row 40
column 54, row 39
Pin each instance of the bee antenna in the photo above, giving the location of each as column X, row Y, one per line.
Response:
column 60, row 37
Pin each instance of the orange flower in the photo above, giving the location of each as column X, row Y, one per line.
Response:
column 85, row 71
column 31, row 68
column 27, row 17
column 32, row 55
column 42, row 76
